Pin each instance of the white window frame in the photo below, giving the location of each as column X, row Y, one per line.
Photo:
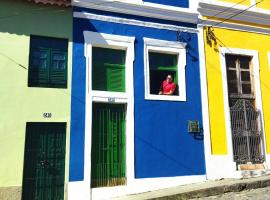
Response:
column 257, row 86
column 94, row 39
column 168, row 47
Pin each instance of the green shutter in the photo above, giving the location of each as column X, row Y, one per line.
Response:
column 108, row 71
column 47, row 62
column 58, row 69
column 40, row 65
column 108, row 145
column 116, row 77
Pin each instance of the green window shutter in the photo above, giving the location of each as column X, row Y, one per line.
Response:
column 58, row 69
column 48, row 62
column 108, row 71
column 99, row 78
column 116, row 77
column 40, row 65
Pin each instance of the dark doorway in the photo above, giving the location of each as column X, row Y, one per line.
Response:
column 44, row 161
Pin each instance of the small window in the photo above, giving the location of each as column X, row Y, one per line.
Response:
column 165, row 63
column 108, row 71
column 239, row 77
column 161, row 65
column 48, row 62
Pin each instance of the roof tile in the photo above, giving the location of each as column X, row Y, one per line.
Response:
column 54, row 2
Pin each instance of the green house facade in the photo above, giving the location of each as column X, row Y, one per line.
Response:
column 35, row 74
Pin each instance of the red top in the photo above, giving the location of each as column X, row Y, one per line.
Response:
column 167, row 87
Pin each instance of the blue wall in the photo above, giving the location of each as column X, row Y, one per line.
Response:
column 163, row 147
column 177, row 3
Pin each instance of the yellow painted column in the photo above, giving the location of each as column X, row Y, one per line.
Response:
column 216, row 100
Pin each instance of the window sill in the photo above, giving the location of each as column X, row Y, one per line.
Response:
column 165, row 97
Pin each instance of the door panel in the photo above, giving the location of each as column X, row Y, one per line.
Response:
column 108, row 145
column 245, row 118
column 44, row 161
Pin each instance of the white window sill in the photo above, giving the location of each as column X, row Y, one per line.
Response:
column 165, row 97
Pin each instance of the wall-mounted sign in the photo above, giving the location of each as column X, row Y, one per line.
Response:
column 194, row 127
column 110, row 99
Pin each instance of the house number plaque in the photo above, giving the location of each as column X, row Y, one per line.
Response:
column 47, row 115
column 111, row 99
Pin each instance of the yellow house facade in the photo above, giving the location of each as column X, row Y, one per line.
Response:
column 236, row 46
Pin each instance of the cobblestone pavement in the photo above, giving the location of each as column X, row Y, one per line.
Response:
column 254, row 194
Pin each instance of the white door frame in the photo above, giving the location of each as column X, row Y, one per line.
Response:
column 257, row 85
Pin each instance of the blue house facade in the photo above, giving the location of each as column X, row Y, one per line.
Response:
column 126, row 135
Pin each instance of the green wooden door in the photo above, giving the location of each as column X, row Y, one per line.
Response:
column 108, row 156
column 44, row 161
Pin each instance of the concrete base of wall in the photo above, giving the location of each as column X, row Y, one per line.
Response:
column 10, row 193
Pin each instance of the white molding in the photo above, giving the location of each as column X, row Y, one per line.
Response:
column 205, row 109
column 133, row 22
column 256, row 67
column 235, row 26
column 140, row 8
column 171, row 47
column 253, row 15
column 93, row 39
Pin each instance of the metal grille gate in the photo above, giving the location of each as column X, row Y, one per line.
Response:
column 108, row 145
column 247, row 132
column 44, row 161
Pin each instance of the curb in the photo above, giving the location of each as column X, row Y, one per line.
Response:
column 244, row 184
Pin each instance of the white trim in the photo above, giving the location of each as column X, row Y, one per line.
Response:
column 252, row 15
column 115, row 42
column 255, row 63
column 253, row 2
column 170, row 47
column 235, row 26
column 133, row 22
column 205, row 109
column 140, row 8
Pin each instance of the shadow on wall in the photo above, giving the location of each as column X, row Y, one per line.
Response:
column 23, row 18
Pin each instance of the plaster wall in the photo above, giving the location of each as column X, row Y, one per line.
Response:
column 19, row 103
column 163, row 146
column 264, row 5
column 182, row 3
column 246, row 3
column 239, row 40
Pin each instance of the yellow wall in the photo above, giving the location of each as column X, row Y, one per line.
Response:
column 265, row 4
column 246, row 3
column 241, row 40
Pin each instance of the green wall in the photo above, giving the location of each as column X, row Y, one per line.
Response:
column 18, row 102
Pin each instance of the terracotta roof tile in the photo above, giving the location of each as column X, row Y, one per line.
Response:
column 54, row 2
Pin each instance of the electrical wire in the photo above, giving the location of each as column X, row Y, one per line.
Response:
column 228, row 8
column 234, row 15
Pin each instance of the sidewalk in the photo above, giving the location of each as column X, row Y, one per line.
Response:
column 207, row 188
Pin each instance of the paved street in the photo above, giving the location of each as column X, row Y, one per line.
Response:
column 254, row 194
